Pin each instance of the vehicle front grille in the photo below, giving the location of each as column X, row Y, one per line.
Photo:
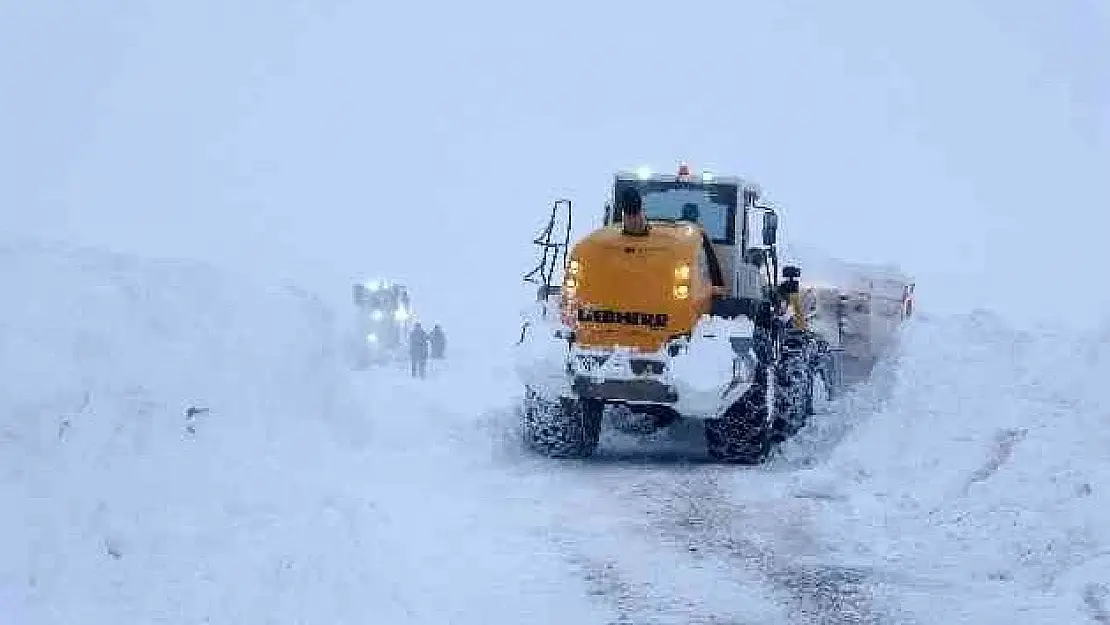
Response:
column 641, row 366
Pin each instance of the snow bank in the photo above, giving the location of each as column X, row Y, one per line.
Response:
column 290, row 495
column 981, row 478
column 167, row 449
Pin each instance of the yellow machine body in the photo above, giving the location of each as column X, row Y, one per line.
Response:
column 637, row 291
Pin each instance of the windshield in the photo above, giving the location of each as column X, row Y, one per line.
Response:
column 711, row 205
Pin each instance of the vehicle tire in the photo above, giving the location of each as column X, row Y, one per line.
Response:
column 793, row 396
column 742, row 435
column 568, row 428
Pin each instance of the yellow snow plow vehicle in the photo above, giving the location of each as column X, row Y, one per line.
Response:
column 673, row 310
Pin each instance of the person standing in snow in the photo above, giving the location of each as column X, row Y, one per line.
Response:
column 438, row 342
column 631, row 205
column 791, row 312
column 418, row 351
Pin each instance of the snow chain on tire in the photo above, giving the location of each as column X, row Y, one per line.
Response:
column 742, row 435
column 566, row 429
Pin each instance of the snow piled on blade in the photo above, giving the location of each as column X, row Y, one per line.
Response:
column 981, row 478
column 818, row 267
column 707, row 365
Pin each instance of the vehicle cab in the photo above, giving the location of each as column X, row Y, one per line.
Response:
column 725, row 208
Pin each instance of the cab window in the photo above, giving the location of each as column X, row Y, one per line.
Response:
column 712, row 205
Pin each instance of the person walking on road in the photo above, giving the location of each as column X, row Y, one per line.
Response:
column 418, row 351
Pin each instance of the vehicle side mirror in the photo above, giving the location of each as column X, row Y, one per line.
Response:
column 770, row 228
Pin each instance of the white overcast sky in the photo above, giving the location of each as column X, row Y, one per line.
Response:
column 966, row 140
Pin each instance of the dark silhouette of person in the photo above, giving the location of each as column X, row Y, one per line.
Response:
column 632, row 213
column 418, row 351
column 438, row 343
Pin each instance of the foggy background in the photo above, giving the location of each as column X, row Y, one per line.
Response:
column 323, row 141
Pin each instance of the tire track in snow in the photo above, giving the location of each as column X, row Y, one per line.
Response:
column 639, row 594
column 682, row 505
column 610, row 544
column 771, row 542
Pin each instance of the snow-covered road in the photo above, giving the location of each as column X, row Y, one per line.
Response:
column 963, row 486
column 648, row 528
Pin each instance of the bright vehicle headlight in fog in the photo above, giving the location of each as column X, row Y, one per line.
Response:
column 401, row 314
column 371, row 338
column 376, row 315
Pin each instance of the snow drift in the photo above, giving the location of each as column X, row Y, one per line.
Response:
column 181, row 446
column 146, row 462
column 978, row 480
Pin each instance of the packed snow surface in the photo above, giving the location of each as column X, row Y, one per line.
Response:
column 181, row 446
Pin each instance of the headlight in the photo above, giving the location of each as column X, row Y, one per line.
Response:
column 681, row 291
column 575, row 267
column 682, row 272
column 376, row 315
column 371, row 338
column 401, row 314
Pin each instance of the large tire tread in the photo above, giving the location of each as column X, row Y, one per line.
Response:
column 741, row 436
column 744, row 435
column 566, row 429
